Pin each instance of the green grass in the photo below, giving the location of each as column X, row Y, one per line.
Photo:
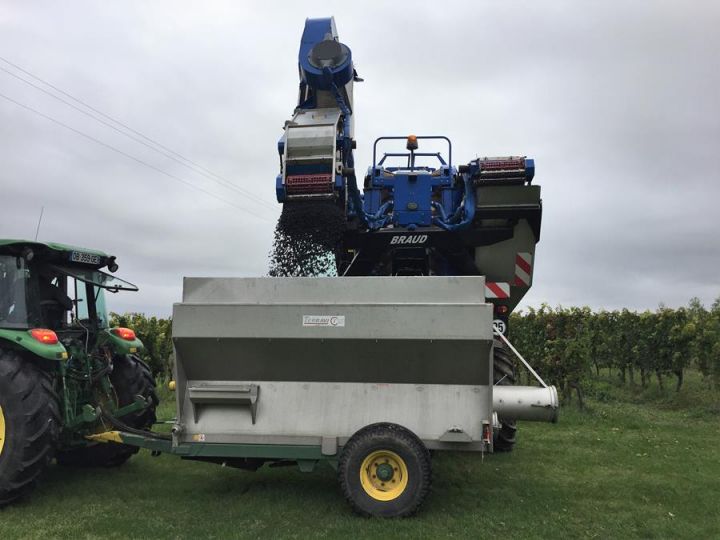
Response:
column 632, row 465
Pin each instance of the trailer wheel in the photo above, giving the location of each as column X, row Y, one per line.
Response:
column 503, row 375
column 130, row 377
column 29, row 424
column 384, row 471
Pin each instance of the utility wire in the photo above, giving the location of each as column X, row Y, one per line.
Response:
column 226, row 184
column 37, row 231
column 129, row 156
column 161, row 149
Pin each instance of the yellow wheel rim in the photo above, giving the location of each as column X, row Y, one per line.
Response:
column 2, row 430
column 384, row 475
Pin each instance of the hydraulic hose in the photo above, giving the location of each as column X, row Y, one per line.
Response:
column 122, row 426
column 468, row 206
column 379, row 218
column 439, row 207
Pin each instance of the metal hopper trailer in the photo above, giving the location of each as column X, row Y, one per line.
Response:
column 367, row 374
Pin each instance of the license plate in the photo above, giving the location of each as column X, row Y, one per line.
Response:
column 82, row 257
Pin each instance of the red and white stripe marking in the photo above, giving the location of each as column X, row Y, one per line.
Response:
column 523, row 270
column 497, row 290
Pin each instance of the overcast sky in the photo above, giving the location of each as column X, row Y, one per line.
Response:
column 618, row 102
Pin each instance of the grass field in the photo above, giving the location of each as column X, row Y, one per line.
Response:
column 632, row 465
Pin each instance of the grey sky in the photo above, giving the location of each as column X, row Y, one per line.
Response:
column 618, row 102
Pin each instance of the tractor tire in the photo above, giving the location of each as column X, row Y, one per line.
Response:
column 503, row 375
column 130, row 377
column 29, row 424
column 384, row 471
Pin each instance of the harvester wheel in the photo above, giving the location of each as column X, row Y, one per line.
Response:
column 503, row 375
column 384, row 471
column 130, row 377
column 29, row 424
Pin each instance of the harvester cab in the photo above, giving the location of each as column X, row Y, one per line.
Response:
column 64, row 372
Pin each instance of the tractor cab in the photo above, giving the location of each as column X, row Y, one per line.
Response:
column 55, row 287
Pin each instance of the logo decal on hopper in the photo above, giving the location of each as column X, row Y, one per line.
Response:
column 333, row 321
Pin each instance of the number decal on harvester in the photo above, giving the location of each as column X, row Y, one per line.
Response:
column 500, row 326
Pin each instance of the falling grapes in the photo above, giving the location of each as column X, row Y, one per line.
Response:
column 306, row 237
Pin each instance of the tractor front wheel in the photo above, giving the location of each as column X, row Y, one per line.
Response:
column 29, row 424
column 130, row 377
column 384, row 471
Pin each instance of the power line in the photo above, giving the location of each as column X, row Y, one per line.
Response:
column 129, row 156
column 229, row 185
column 37, row 231
column 161, row 149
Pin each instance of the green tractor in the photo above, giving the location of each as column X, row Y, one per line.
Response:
column 65, row 374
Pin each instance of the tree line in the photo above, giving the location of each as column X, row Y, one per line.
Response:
column 569, row 346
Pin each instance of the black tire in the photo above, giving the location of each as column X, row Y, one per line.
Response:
column 29, row 424
column 503, row 375
column 393, row 440
column 130, row 377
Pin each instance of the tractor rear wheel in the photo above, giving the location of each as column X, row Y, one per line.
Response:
column 503, row 375
column 29, row 424
column 130, row 377
column 384, row 471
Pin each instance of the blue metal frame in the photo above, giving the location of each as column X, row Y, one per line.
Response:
column 411, row 196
